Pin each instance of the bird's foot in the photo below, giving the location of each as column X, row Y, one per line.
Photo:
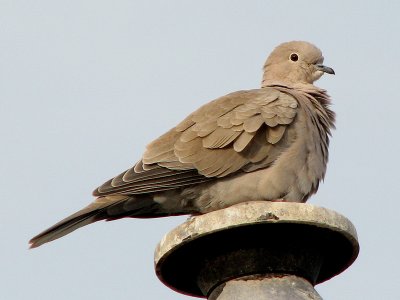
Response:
column 279, row 200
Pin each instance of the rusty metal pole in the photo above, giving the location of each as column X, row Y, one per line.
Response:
column 257, row 250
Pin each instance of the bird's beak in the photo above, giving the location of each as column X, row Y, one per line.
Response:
column 325, row 69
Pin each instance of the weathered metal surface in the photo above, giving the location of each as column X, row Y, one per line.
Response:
column 266, row 288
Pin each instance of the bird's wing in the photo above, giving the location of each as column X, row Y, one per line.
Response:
column 245, row 130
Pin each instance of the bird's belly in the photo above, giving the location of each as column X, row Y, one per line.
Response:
column 292, row 178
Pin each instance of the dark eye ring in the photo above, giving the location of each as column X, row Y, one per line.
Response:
column 294, row 57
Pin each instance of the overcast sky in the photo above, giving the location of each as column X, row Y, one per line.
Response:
column 85, row 85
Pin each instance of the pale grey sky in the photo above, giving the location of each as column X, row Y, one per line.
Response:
column 85, row 85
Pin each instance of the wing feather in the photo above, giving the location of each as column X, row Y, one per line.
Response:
column 242, row 131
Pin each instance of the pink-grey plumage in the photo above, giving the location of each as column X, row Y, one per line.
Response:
column 263, row 144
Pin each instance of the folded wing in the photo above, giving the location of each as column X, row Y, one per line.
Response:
column 242, row 131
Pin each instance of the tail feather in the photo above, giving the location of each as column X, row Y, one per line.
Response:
column 104, row 208
column 62, row 228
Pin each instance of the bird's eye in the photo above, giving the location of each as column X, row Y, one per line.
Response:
column 294, row 57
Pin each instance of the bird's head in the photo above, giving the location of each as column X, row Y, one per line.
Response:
column 294, row 63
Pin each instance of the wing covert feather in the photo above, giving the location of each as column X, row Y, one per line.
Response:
column 244, row 131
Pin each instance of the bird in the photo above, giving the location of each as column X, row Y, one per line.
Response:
column 269, row 144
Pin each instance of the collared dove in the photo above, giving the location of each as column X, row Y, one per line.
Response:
column 262, row 144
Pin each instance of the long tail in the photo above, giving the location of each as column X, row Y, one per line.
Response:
column 103, row 208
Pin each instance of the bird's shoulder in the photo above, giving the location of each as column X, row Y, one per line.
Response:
column 268, row 98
